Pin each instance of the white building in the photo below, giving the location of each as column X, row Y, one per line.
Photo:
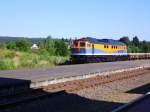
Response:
column 34, row 46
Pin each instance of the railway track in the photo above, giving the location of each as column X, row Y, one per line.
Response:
column 75, row 85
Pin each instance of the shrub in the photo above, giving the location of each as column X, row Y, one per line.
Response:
column 2, row 45
column 11, row 45
column 10, row 54
column 23, row 45
column 61, row 48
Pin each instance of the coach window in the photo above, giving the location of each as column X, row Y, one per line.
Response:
column 112, row 47
column 107, row 46
column 104, row 46
column 82, row 44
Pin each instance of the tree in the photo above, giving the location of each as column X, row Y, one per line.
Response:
column 133, row 49
column 136, row 41
column 145, row 47
column 23, row 45
column 125, row 40
column 49, row 45
column 61, row 48
column 11, row 45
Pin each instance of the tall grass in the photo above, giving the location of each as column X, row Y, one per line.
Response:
column 12, row 60
column 7, row 64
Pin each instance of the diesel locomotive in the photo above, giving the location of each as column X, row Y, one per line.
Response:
column 97, row 50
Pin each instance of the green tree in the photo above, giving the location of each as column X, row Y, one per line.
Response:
column 11, row 45
column 23, row 45
column 49, row 45
column 133, row 49
column 136, row 41
column 125, row 40
column 145, row 47
column 61, row 48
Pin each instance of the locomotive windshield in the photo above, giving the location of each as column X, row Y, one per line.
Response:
column 82, row 44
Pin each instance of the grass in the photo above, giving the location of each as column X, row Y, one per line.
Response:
column 10, row 59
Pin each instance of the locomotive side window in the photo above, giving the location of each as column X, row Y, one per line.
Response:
column 88, row 45
column 82, row 44
column 104, row 46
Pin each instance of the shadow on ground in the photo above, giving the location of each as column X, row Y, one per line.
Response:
column 71, row 103
column 140, row 90
column 64, row 102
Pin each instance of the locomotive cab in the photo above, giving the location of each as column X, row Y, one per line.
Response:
column 80, row 50
column 80, row 47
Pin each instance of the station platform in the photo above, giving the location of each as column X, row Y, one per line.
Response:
column 43, row 76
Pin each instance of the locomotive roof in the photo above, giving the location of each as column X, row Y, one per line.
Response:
column 104, row 41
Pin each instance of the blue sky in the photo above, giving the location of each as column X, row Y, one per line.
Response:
column 75, row 18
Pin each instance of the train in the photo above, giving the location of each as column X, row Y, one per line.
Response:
column 90, row 49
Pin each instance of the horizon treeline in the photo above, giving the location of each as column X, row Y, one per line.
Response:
column 136, row 46
column 47, row 46
column 59, row 47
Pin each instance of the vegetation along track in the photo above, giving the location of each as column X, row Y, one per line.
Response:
column 75, row 85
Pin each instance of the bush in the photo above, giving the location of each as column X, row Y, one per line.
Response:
column 2, row 45
column 23, row 45
column 11, row 45
column 61, row 48
column 49, row 45
column 10, row 54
